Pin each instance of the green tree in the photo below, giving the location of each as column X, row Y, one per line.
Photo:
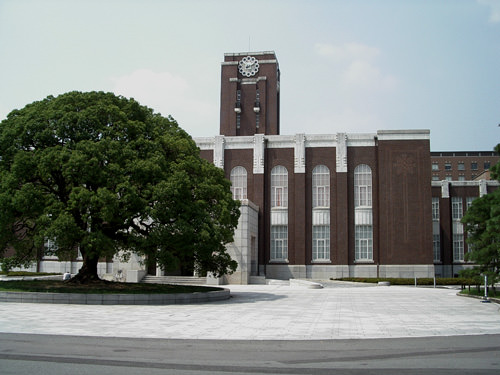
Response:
column 104, row 174
column 482, row 224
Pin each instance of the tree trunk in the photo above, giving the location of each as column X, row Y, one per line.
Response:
column 88, row 272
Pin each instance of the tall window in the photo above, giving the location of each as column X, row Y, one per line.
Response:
column 362, row 186
column 435, row 208
column 279, row 242
column 456, row 208
column 468, row 202
column 279, row 187
column 239, row 183
column 436, row 246
column 321, row 186
column 321, row 242
column 436, row 235
column 364, row 242
column 363, row 228
column 458, row 247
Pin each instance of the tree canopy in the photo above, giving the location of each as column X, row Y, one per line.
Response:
column 482, row 224
column 102, row 173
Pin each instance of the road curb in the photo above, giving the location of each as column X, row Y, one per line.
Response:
column 115, row 299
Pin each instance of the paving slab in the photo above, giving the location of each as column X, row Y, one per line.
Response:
column 271, row 312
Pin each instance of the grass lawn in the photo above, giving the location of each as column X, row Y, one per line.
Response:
column 108, row 287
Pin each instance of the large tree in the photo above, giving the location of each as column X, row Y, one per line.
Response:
column 482, row 224
column 104, row 174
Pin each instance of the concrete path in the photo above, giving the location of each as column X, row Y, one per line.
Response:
column 271, row 312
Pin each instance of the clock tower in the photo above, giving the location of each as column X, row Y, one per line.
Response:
column 250, row 86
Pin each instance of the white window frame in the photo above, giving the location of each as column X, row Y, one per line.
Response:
column 458, row 247
column 362, row 186
column 436, row 247
column 321, row 186
column 279, row 187
column 363, row 242
column 457, row 211
column 321, row 243
column 238, row 178
column 279, row 243
column 435, row 208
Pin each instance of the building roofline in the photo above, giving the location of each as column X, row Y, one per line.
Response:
column 463, row 153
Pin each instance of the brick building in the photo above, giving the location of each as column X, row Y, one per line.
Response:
column 463, row 165
column 332, row 205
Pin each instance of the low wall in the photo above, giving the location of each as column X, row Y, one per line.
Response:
column 114, row 299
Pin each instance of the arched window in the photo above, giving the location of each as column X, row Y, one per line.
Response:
column 362, row 186
column 321, row 186
column 279, row 187
column 238, row 179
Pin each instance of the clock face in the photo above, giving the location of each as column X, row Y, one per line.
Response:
column 248, row 66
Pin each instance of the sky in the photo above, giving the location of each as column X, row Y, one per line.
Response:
column 353, row 66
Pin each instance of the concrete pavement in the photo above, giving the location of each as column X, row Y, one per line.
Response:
column 271, row 312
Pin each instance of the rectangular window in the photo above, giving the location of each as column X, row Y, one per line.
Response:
column 238, row 193
column 468, row 202
column 363, row 242
column 279, row 196
column 321, row 196
column 456, row 208
column 487, row 165
column 473, row 166
column 279, row 242
column 363, row 196
column 458, row 247
column 321, row 242
column 435, row 208
column 447, row 166
column 461, row 177
column 436, row 245
column 435, row 166
column 435, row 178
column 461, row 166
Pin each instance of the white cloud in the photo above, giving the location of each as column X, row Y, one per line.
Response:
column 170, row 94
column 494, row 9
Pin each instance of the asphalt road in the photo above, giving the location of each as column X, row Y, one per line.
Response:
column 55, row 354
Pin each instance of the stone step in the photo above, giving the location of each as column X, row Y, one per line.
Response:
column 277, row 282
column 182, row 280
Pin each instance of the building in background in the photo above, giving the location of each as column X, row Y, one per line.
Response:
column 463, row 165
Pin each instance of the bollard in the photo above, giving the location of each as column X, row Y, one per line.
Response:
column 485, row 299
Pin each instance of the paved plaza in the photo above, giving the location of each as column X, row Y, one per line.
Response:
column 271, row 312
